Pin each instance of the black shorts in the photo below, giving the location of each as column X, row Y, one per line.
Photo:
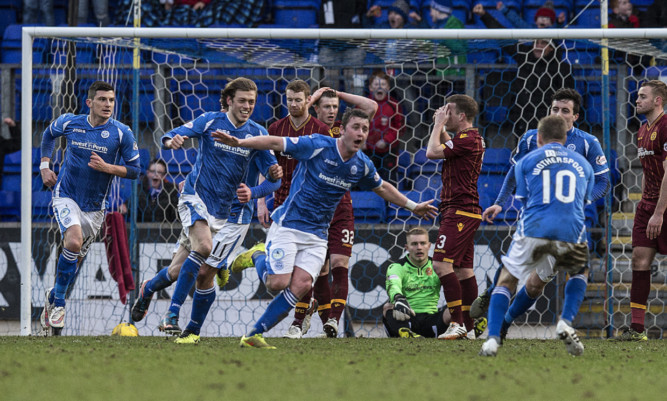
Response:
column 425, row 324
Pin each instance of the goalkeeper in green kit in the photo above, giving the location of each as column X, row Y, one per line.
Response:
column 414, row 291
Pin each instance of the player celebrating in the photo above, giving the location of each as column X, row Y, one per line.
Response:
column 240, row 215
column 414, row 292
column 565, row 103
column 95, row 144
column 209, row 190
column 296, row 242
column 554, row 184
column 459, row 207
column 649, row 234
column 331, row 301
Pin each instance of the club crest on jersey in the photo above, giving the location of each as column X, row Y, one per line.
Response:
column 572, row 147
column 105, row 134
column 64, row 213
column 353, row 170
column 335, row 132
column 277, row 254
column 460, row 226
column 654, row 135
column 665, row 147
column 248, row 136
column 429, row 271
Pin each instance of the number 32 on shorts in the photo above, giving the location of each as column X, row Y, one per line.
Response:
column 348, row 236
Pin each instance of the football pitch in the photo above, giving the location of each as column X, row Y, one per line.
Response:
column 154, row 368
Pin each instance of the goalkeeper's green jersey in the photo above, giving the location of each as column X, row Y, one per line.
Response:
column 420, row 285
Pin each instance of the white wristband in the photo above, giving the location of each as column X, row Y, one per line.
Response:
column 410, row 205
column 44, row 166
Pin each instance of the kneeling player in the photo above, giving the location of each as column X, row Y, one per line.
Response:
column 414, row 291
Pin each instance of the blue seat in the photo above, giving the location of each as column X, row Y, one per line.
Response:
column 589, row 18
column 296, row 13
column 431, row 182
column 423, row 165
column 404, row 163
column 41, row 206
column 496, row 160
column 11, row 46
column 11, row 182
column 401, row 215
column 179, row 161
column 10, row 205
column 488, row 188
column 368, row 207
column 144, row 159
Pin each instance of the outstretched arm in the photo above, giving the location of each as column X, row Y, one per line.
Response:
column 264, row 142
column 389, row 193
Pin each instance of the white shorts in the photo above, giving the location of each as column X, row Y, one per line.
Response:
column 527, row 254
column 287, row 247
column 191, row 209
column 226, row 244
column 68, row 214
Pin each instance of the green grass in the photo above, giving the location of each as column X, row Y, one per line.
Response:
column 154, row 368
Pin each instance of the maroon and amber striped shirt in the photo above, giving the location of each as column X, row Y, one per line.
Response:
column 652, row 152
column 285, row 128
column 460, row 171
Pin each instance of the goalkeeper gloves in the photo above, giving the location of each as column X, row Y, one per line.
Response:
column 402, row 311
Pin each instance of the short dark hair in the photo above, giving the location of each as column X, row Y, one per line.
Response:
column 352, row 112
column 238, row 84
column 160, row 162
column 297, row 86
column 552, row 128
column 330, row 93
column 568, row 94
column 466, row 105
column 658, row 88
column 98, row 86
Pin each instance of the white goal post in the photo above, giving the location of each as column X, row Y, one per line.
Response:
column 625, row 37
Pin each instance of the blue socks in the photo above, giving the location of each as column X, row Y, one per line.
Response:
column 496, row 277
column 260, row 266
column 500, row 301
column 522, row 302
column 201, row 303
column 157, row 283
column 275, row 312
column 186, row 279
column 65, row 275
column 575, row 290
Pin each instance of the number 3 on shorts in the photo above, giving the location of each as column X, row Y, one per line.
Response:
column 441, row 242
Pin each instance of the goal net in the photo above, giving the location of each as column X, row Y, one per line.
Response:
column 179, row 74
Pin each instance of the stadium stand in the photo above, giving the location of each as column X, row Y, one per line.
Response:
column 368, row 207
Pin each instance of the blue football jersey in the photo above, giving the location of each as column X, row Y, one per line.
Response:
column 112, row 141
column 219, row 168
column 241, row 213
column 579, row 141
column 555, row 184
column 320, row 181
